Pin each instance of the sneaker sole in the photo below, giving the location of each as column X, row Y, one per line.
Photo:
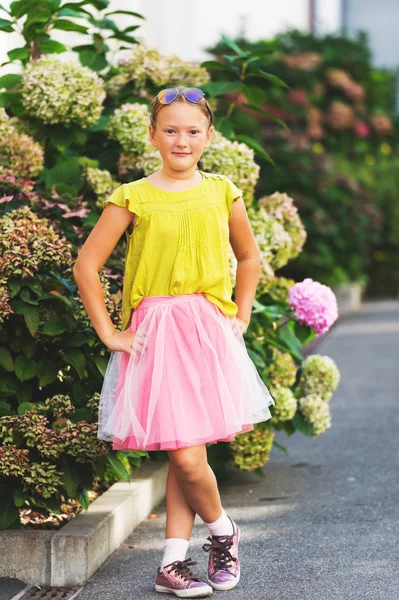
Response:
column 223, row 587
column 184, row 593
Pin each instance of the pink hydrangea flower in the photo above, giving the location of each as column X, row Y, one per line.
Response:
column 314, row 304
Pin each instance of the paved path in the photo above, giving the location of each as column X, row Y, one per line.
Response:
column 323, row 524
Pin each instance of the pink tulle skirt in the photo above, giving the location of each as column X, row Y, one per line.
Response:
column 189, row 379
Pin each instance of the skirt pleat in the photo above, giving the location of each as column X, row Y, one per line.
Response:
column 189, row 379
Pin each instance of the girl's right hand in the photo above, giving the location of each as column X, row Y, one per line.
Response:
column 121, row 341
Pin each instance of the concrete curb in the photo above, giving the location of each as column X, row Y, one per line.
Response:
column 69, row 556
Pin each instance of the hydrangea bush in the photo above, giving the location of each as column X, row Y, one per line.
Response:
column 52, row 364
column 144, row 67
column 57, row 91
column 234, row 159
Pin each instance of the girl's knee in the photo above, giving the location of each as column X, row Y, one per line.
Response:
column 188, row 464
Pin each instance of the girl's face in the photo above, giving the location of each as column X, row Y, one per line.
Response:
column 181, row 134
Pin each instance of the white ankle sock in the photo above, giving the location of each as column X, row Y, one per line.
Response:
column 222, row 526
column 174, row 549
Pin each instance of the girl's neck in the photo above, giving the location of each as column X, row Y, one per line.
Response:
column 176, row 180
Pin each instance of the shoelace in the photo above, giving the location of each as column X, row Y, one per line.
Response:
column 181, row 567
column 221, row 552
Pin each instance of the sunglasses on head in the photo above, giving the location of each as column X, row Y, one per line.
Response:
column 192, row 94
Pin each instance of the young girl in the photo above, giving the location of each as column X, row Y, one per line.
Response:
column 179, row 375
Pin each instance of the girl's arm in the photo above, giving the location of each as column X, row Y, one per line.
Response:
column 246, row 251
column 113, row 222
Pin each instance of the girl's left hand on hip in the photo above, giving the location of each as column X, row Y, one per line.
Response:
column 242, row 325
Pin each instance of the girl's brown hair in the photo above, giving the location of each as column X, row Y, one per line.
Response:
column 203, row 105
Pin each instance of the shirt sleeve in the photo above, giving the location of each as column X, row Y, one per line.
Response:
column 233, row 193
column 124, row 196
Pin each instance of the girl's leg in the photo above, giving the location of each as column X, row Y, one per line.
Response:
column 179, row 522
column 197, row 481
column 198, row 484
column 179, row 514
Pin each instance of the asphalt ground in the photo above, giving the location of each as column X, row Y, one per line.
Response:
column 323, row 522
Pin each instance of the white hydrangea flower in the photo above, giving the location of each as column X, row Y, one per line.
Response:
column 316, row 412
column 129, row 126
column 58, row 91
column 285, row 404
column 6, row 126
column 234, row 159
column 144, row 64
column 320, row 376
column 101, row 182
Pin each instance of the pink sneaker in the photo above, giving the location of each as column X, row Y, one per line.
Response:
column 223, row 564
column 178, row 579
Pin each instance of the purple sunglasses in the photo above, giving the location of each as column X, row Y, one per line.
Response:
column 192, row 94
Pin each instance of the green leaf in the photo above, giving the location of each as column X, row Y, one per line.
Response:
column 101, row 363
column 225, row 126
column 135, row 461
column 232, row 45
column 6, row 25
column 301, row 424
column 77, row 359
column 32, row 320
column 123, row 37
column 280, row 447
column 35, row 286
column 20, row 7
column 134, row 453
column 259, row 471
column 131, row 28
column 20, row 497
column 29, row 348
column 256, row 146
column 98, row 4
column 272, row 78
column 14, row 287
column 256, row 359
column 25, row 296
column 101, row 124
column 218, row 88
column 24, row 393
column 125, row 12
column 8, row 385
column 254, row 94
column 9, row 514
column 268, row 115
column 288, row 337
column 53, row 326
column 94, row 61
column 67, row 172
column 66, row 25
column 83, row 498
column 52, row 47
column 273, row 312
column 24, row 369
column 118, row 467
column 25, row 407
column 6, row 360
column 81, row 414
column 69, row 478
column 214, row 65
column 76, row 14
column 52, row 504
column 5, row 408
column 47, row 372
column 76, row 339
column 10, row 80
column 19, row 54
